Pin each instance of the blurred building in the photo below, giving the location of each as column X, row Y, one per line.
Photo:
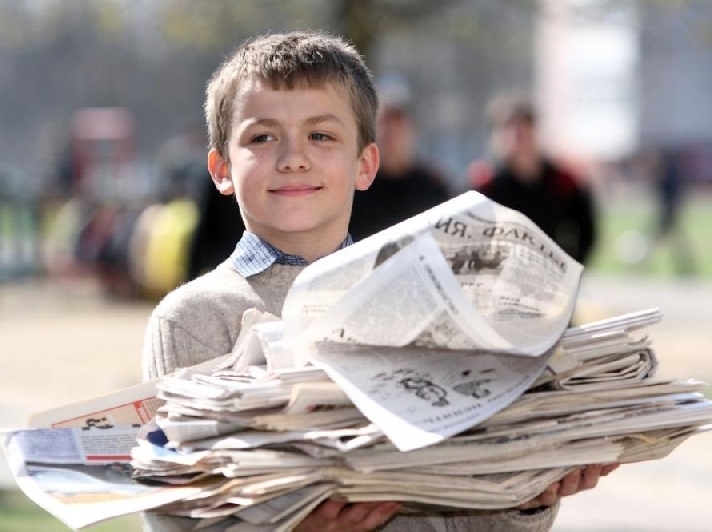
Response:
column 613, row 78
column 676, row 83
column 610, row 75
column 586, row 79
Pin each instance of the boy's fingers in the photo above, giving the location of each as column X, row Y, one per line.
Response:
column 546, row 498
column 609, row 468
column 329, row 515
column 329, row 510
column 380, row 514
column 570, row 483
column 590, row 477
column 354, row 514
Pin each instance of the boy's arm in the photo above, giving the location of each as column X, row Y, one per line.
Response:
column 509, row 521
column 168, row 346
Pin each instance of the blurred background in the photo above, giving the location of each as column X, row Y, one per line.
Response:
column 106, row 204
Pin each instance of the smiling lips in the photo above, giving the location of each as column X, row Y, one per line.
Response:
column 295, row 190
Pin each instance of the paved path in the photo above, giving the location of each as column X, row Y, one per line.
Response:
column 61, row 343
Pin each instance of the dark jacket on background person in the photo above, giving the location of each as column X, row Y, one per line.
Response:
column 555, row 201
column 392, row 199
column 219, row 228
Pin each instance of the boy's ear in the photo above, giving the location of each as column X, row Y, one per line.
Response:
column 219, row 170
column 368, row 166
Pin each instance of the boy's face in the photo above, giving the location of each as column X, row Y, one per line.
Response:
column 294, row 163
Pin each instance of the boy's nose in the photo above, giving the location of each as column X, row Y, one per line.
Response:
column 293, row 157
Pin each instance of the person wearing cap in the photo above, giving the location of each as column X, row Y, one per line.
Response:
column 405, row 185
column 526, row 180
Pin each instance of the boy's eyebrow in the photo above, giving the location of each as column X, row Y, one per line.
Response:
column 326, row 117
column 312, row 120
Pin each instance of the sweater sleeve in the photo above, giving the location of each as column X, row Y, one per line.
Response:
column 506, row 521
column 198, row 321
column 168, row 346
column 515, row 521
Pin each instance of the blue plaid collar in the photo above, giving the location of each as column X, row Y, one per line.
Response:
column 254, row 255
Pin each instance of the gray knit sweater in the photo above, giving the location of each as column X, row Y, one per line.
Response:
column 201, row 320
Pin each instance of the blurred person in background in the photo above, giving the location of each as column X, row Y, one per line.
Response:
column 523, row 178
column 218, row 230
column 663, row 170
column 404, row 185
column 218, row 225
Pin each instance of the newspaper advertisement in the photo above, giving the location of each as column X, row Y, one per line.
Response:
column 420, row 397
column 87, row 445
column 132, row 405
column 127, row 406
column 496, row 283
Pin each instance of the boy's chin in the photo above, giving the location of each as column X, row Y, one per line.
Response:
column 299, row 224
column 313, row 230
column 305, row 225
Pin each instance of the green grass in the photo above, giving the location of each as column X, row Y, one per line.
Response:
column 625, row 227
column 20, row 514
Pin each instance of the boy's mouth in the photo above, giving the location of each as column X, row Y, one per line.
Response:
column 295, row 190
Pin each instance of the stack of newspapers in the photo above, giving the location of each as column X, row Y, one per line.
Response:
column 433, row 363
column 276, row 443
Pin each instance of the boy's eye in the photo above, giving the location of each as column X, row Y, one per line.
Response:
column 264, row 137
column 320, row 136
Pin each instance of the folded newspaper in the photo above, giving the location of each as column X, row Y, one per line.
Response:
column 446, row 336
column 468, row 274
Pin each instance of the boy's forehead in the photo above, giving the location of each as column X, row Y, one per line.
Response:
column 255, row 86
column 253, row 83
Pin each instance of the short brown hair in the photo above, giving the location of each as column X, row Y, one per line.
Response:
column 286, row 61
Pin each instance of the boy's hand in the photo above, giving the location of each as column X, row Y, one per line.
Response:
column 576, row 481
column 337, row 516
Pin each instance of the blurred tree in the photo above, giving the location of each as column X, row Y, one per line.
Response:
column 361, row 21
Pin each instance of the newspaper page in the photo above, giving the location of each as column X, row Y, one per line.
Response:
column 127, row 406
column 49, row 465
column 415, row 398
column 426, row 307
column 132, row 405
column 86, row 445
column 250, row 348
column 507, row 286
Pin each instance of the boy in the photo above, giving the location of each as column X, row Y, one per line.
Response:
column 291, row 120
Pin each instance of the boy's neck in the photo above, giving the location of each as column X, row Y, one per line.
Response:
column 305, row 245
